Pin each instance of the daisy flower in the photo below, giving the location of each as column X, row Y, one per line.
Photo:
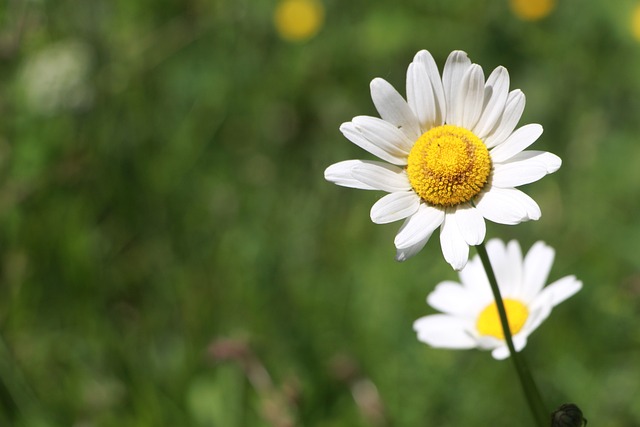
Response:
column 470, row 316
column 451, row 156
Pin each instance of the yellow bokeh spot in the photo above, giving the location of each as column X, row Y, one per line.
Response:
column 298, row 20
column 532, row 10
column 488, row 323
column 635, row 22
column 448, row 165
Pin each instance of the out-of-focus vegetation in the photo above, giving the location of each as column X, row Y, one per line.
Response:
column 171, row 255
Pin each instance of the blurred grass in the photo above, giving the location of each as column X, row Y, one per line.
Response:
column 177, row 198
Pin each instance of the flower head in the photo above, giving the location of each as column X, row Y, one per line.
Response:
column 451, row 157
column 469, row 316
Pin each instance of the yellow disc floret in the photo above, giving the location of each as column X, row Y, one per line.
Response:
column 488, row 322
column 448, row 165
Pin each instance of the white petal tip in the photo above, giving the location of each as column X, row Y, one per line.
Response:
column 533, row 216
column 336, row 172
column 459, row 262
column 377, row 82
column 500, row 353
column 458, row 53
column 403, row 254
column 458, row 266
column 401, row 257
column 345, row 125
column 553, row 163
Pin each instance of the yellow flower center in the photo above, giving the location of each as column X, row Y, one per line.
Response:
column 448, row 165
column 489, row 321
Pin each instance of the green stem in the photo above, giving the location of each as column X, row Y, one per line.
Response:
column 532, row 394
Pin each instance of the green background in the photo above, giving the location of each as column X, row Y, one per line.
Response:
column 174, row 209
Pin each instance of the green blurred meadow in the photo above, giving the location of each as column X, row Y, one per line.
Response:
column 170, row 254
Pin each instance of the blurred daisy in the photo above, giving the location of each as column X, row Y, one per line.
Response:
column 470, row 318
column 532, row 10
column 298, row 20
column 451, row 156
column 58, row 77
column 635, row 22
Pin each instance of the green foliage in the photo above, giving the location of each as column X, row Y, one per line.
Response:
column 161, row 189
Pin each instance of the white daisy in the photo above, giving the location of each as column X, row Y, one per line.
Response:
column 451, row 157
column 470, row 318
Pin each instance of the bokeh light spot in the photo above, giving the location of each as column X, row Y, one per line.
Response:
column 635, row 22
column 298, row 20
column 532, row 10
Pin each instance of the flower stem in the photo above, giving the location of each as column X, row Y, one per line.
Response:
column 532, row 394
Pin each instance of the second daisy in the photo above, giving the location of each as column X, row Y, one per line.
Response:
column 470, row 317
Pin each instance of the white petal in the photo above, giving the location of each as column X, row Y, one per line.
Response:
column 520, row 341
column 471, row 224
column 512, row 175
column 486, row 342
column 508, row 269
column 518, row 141
column 561, row 289
column 537, row 265
column 340, row 174
column 452, row 298
column 394, row 207
column 500, row 260
column 507, row 206
column 420, row 95
column 436, row 83
column 384, row 134
column 515, row 173
column 419, row 226
column 550, row 160
column 471, row 96
column 500, row 353
column 351, row 131
column 538, row 313
column 506, row 124
column 443, row 331
column 454, row 247
column 498, row 257
column 497, row 251
column 393, row 108
column 403, row 254
column 496, row 91
column 454, row 70
column 474, row 279
column 381, row 176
